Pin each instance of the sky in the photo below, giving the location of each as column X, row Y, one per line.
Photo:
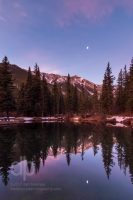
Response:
column 68, row 36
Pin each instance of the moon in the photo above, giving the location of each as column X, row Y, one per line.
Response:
column 87, row 181
column 87, row 48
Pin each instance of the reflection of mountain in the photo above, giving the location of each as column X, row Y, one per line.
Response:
column 60, row 151
column 35, row 143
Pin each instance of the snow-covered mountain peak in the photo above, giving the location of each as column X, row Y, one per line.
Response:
column 77, row 81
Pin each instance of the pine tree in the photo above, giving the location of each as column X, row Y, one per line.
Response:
column 75, row 100
column 130, row 89
column 7, row 100
column 61, row 102
column 125, row 87
column 82, row 106
column 68, row 95
column 21, row 104
column 119, row 104
column 37, row 92
column 95, row 101
column 55, row 99
column 29, row 108
column 85, row 104
column 46, row 98
column 107, row 99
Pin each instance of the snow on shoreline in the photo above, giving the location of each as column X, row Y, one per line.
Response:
column 119, row 119
column 28, row 118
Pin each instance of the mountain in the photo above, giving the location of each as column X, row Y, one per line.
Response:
column 75, row 81
column 20, row 76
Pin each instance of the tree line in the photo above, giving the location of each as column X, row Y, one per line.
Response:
column 36, row 97
column 117, row 98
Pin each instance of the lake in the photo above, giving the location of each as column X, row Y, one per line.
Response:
column 66, row 161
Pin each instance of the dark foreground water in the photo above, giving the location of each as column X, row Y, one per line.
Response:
column 66, row 162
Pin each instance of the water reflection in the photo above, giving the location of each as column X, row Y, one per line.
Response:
column 34, row 143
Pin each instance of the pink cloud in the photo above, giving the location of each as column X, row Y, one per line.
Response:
column 127, row 4
column 19, row 9
column 88, row 8
column 92, row 10
column 2, row 17
column 65, row 12
column 17, row 12
column 1, row 6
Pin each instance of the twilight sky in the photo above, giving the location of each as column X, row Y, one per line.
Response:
column 68, row 36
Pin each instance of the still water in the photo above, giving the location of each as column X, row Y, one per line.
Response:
column 66, row 162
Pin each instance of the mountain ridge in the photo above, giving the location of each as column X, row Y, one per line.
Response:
column 20, row 76
column 77, row 81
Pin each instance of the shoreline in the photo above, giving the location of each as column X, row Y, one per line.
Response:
column 110, row 121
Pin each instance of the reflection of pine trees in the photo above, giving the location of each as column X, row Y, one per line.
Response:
column 130, row 156
column 96, row 133
column 125, row 150
column 82, row 153
column 7, row 139
column 29, row 141
column 68, row 158
column 68, row 145
column 44, row 145
column 55, row 140
column 35, row 143
column 75, row 137
column 120, row 149
column 107, row 145
column 71, row 139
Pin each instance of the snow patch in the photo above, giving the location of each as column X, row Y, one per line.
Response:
column 119, row 119
column 28, row 118
column 75, row 119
